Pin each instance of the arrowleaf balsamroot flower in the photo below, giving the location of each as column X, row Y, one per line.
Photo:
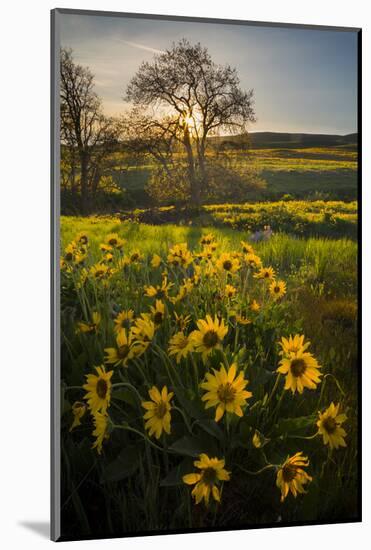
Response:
column 329, row 426
column 225, row 391
column 124, row 320
column 158, row 313
column 301, row 370
column 125, row 349
column 291, row 476
column 99, row 271
column 228, row 263
column 158, row 415
column 209, row 335
column 179, row 255
column 254, row 306
column 293, row 344
column 98, row 390
column 135, row 256
column 252, row 260
column 180, row 345
column 277, row 289
column 114, row 241
column 265, row 273
column 207, row 252
column 207, row 239
column 82, row 238
column 242, row 319
column 143, row 332
column 101, row 430
column 229, row 291
column 159, row 291
column 206, row 481
column 70, row 252
column 182, row 321
column 156, row 260
column 78, row 411
column 90, row 328
column 247, row 248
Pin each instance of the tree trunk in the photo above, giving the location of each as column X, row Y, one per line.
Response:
column 73, row 179
column 85, row 207
column 194, row 184
column 201, row 161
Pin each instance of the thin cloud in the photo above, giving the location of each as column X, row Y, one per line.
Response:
column 139, row 46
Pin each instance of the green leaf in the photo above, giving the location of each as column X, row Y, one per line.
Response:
column 240, row 356
column 294, row 425
column 211, row 427
column 193, row 407
column 125, row 464
column 194, row 446
column 124, row 394
column 175, row 476
column 260, row 377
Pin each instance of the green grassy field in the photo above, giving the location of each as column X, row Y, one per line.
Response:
column 324, row 256
column 330, row 219
column 330, row 172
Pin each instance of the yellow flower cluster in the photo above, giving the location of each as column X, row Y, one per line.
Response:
column 186, row 325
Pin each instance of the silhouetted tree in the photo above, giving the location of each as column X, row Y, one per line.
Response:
column 179, row 100
column 87, row 134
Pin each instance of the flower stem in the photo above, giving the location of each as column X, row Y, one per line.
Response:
column 267, row 467
column 129, row 429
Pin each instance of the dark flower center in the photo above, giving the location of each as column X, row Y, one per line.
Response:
column 68, row 257
column 161, row 293
column 182, row 342
column 277, row 289
column 288, row 472
column 123, row 351
column 227, row 265
column 210, row 339
column 298, row 367
column 83, row 239
column 226, row 393
column 134, row 257
column 78, row 407
column 330, row 425
column 209, row 476
column 125, row 323
column 112, row 242
column 266, row 275
column 158, row 318
column 99, row 273
column 161, row 409
column 102, row 388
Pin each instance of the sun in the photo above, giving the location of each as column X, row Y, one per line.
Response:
column 192, row 120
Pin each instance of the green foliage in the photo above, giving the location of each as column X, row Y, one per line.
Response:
column 137, row 484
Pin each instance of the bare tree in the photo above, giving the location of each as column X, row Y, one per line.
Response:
column 85, row 131
column 180, row 99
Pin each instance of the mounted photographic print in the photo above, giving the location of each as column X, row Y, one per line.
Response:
column 205, row 278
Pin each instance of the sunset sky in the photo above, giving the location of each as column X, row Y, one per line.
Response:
column 304, row 80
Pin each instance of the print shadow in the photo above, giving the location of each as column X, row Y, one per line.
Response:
column 41, row 528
